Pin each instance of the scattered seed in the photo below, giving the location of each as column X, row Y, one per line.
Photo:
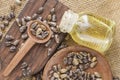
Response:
column 12, row 14
column 23, row 22
column 53, row 35
column 27, row 18
column 2, row 18
column 93, row 64
column 16, row 42
column 1, row 34
column 48, row 43
column 8, row 44
column 63, row 45
column 40, row 10
column 6, row 22
column 24, row 72
column 23, row 29
column 33, row 32
column 57, row 39
column 49, row 51
column 9, row 37
column 0, row 63
column 52, row 11
column 18, row 2
column 34, row 16
column 24, row 65
column 24, row 36
column 52, row 24
column 33, row 26
column 13, row 49
column 116, row 78
column 18, row 21
column 54, row 18
column 2, row 27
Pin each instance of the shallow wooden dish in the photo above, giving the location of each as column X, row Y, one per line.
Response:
column 102, row 67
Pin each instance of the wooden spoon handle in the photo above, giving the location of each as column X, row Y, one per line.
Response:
column 18, row 57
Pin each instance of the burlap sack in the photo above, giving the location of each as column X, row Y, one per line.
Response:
column 109, row 9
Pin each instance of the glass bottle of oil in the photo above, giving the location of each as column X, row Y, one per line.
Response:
column 88, row 29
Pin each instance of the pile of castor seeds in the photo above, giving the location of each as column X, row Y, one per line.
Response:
column 76, row 65
column 39, row 31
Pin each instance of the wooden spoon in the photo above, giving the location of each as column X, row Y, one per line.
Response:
column 27, row 46
column 102, row 67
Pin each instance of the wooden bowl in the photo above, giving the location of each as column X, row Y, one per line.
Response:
column 102, row 67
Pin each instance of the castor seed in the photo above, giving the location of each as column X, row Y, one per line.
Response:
column 24, row 36
column 52, row 11
column 40, row 10
column 23, row 29
column 8, row 43
column 9, row 37
column 1, row 34
column 13, row 49
column 2, row 27
column 16, row 42
column 18, row 21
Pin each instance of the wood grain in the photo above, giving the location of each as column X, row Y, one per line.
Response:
column 37, row 57
column 102, row 67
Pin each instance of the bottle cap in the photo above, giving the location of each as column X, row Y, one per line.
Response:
column 68, row 20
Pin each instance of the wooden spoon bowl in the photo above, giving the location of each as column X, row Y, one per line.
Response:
column 102, row 67
column 34, row 37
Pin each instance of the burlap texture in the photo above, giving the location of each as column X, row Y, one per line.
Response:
column 109, row 9
column 5, row 9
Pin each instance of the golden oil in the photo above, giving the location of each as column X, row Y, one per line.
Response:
column 88, row 30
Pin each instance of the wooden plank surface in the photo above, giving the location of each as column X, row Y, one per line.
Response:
column 38, row 55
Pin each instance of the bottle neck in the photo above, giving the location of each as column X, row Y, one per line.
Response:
column 68, row 21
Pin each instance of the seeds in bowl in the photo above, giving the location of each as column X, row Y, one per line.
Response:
column 39, row 30
column 76, row 64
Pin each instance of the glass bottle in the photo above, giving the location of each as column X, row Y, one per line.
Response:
column 88, row 29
